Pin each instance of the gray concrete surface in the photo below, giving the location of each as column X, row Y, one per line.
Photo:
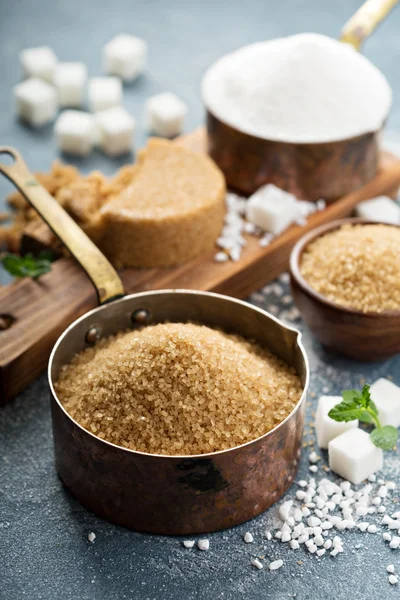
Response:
column 44, row 552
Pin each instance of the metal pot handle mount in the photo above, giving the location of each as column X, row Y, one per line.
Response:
column 100, row 271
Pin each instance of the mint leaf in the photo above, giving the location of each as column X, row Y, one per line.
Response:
column 366, row 396
column 384, row 437
column 28, row 265
column 347, row 410
column 350, row 395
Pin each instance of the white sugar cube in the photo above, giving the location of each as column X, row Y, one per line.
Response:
column 272, row 209
column 36, row 101
column 104, row 92
column 325, row 427
column 353, row 455
column 165, row 114
column 381, row 208
column 74, row 131
column 38, row 62
column 115, row 128
column 125, row 56
column 70, row 80
column 386, row 396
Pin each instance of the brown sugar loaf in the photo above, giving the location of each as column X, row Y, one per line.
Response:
column 171, row 211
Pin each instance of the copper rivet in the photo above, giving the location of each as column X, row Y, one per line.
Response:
column 92, row 335
column 140, row 317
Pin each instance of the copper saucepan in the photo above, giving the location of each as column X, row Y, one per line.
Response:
column 153, row 493
column 311, row 171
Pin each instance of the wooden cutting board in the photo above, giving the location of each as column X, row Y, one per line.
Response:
column 40, row 311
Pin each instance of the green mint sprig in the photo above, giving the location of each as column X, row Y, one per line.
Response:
column 28, row 265
column 359, row 405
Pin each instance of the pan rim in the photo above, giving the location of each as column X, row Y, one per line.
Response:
column 179, row 457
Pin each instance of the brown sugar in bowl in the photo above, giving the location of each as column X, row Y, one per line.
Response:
column 360, row 335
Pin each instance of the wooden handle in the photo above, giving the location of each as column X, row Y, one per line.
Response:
column 102, row 274
column 365, row 20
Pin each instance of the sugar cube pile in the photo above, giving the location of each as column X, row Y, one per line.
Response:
column 51, row 85
column 125, row 56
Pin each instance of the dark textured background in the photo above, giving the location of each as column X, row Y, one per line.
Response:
column 44, row 552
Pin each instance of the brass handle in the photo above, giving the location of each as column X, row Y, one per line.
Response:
column 102, row 274
column 365, row 20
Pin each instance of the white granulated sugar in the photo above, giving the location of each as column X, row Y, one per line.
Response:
column 203, row 544
column 302, row 88
column 189, row 543
column 393, row 579
column 248, row 538
column 256, row 563
column 91, row 537
column 386, row 536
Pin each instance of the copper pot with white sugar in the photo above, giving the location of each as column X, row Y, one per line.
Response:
column 134, row 478
column 303, row 112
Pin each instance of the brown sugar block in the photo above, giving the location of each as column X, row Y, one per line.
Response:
column 172, row 211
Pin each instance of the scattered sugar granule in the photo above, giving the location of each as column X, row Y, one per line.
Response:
column 256, row 563
column 313, row 457
column 386, row 536
column 372, row 529
column 313, row 468
column 395, row 542
column 268, row 535
column 221, row 257
column 294, row 544
column 284, row 510
column 189, row 543
column 203, row 544
column 248, row 538
column 390, row 568
column 393, row 579
column 275, row 564
column 91, row 537
column 321, row 552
